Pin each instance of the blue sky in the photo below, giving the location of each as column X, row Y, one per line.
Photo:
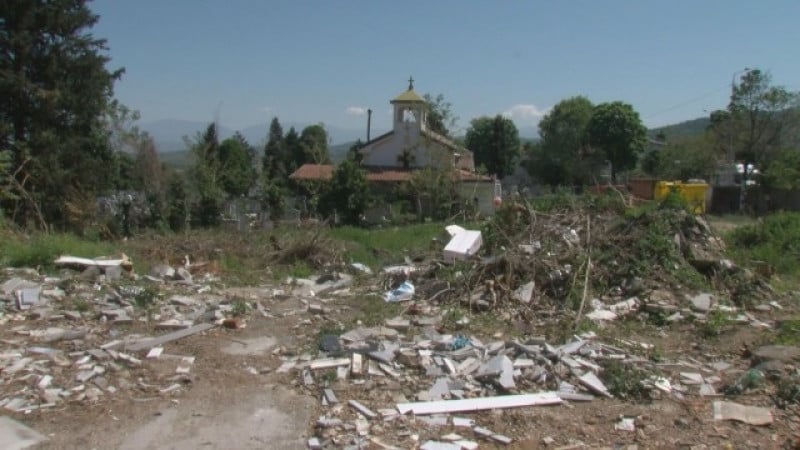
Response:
column 327, row 61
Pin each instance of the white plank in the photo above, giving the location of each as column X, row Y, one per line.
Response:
column 480, row 404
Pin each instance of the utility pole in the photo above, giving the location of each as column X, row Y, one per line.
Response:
column 731, row 151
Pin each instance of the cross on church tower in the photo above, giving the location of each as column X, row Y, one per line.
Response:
column 410, row 83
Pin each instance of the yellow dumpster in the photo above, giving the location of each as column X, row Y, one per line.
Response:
column 694, row 194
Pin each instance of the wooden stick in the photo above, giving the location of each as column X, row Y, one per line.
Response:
column 588, row 269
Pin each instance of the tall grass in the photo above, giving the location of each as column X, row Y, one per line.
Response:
column 386, row 245
column 774, row 240
column 42, row 249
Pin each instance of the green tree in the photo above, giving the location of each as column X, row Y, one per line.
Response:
column 206, row 177
column 783, row 171
column 178, row 207
column 439, row 116
column 564, row 155
column 55, row 89
column 761, row 120
column 272, row 196
column 236, row 164
column 275, row 152
column 146, row 172
column 683, row 159
column 616, row 129
column 494, row 143
column 293, row 150
column 354, row 153
column 433, row 192
column 314, row 144
column 347, row 194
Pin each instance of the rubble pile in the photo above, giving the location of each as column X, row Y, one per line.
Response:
column 405, row 384
column 73, row 337
column 581, row 258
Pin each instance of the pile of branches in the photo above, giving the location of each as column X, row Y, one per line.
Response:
column 590, row 249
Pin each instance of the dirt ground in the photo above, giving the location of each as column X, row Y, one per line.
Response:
column 228, row 406
column 225, row 407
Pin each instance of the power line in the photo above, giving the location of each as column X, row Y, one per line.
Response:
column 688, row 102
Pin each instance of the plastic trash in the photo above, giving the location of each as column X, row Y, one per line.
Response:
column 460, row 342
column 404, row 292
column 362, row 268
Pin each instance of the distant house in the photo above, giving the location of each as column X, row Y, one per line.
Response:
column 394, row 156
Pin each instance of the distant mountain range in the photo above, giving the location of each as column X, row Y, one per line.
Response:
column 688, row 128
column 169, row 133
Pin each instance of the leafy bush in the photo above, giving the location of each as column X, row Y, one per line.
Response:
column 775, row 241
column 624, row 380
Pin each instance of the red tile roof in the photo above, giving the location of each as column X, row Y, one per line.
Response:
column 313, row 172
column 325, row 172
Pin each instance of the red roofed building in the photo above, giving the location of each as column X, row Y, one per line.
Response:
column 394, row 156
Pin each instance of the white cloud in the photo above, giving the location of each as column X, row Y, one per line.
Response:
column 355, row 111
column 524, row 112
column 266, row 109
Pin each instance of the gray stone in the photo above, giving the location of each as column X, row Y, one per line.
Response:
column 702, row 302
column 784, row 353
column 162, row 271
column 113, row 273
column 28, row 297
column 329, row 343
column 525, row 292
column 183, row 274
column 14, row 284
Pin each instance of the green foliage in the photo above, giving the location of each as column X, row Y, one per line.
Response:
column 563, row 156
column 432, row 193
column 783, row 172
column 240, row 307
column 146, row 298
column 353, row 153
column 43, row 249
column 775, row 240
column 495, row 144
column 272, row 198
column 380, row 246
column 625, row 381
column 788, row 332
column 55, row 89
column 715, row 324
column 314, row 145
column 347, row 195
column 276, row 155
column 81, row 305
column 683, row 159
column 373, row 310
column 178, row 207
column 761, row 116
column 788, row 392
column 439, row 116
column 236, row 166
column 616, row 129
column 5, row 176
column 206, row 178
column 293, row 150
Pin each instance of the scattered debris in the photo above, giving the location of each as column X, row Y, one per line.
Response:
column 752, row 415
column 16, row 436
column 479, row 404
column 403, row 293
column 463, row 244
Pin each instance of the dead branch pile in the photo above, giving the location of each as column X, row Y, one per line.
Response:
column 554, row 260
